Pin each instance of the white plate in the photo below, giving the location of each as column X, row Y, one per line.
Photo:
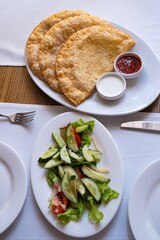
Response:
column 13, row 186
column 140, row 92
column 144, row 201
column 111, row 158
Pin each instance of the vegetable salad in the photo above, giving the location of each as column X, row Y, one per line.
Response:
column 78, row 184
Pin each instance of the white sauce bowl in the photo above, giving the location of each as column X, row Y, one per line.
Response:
column 111, row 86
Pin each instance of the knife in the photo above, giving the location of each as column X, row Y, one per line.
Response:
column 142, row 125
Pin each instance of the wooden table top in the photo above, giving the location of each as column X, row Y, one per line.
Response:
column 16, row 86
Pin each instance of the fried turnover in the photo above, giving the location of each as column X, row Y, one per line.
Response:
column 85, row 56
column 53, row 40
column 35, row 38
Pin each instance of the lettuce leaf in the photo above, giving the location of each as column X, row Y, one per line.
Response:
column 107, row 193
column 80, row 123
column 51, row 177
column 71, row 214
column 94, row 214
column 85, row 136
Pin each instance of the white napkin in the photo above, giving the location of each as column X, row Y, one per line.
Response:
column 137, row 149
column 18, row 18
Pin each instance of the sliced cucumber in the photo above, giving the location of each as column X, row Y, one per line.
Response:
column 73, row 185
column 100, row 170
column 56, row 155
column 86, row 153
column 67, row 190
column 80, row 187
column 63, row 133
column 75, row 156
column 60, row 171
column 53, row 163
column 80, row 122
column 95, row 154
column 71, row 172
column 70, row 138
column 58, row 139
column 64, row 155
column 47, row 155
column 81, row 128
column 74, row 205
column 92, row 188
column 93, row 174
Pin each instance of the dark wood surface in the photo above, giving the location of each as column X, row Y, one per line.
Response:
column 16, row 86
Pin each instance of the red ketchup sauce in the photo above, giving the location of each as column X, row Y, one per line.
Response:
column 128, row 64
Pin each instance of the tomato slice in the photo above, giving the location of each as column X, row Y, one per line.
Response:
column 79, row 172
column 59, row 203
column 77, row 137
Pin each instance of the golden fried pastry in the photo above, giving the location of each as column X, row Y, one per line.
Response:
column 35, row 38
column 85, row 56
column 53, row 40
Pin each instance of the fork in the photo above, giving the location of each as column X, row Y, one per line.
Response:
column 20, row 118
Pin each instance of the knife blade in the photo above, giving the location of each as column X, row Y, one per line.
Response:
column 142, row 125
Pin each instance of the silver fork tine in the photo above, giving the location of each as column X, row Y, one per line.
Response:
column 24, row 120
column 20, row 118
column 25, row 114
column 25, row 117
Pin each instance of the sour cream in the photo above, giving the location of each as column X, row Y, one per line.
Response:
column 111, row 86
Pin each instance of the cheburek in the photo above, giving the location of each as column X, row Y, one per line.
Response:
column 36, row 36
column 85, row 56
column 53, row 40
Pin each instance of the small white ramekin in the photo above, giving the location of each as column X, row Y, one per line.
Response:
column 131, row 75
column 111, row 86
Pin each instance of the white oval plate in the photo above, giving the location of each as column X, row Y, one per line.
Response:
column 144, row 201
column 140, row 92
column 13, row 186
column 111, row 158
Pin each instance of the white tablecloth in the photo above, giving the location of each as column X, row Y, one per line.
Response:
column 137, row 149
column 18, row 18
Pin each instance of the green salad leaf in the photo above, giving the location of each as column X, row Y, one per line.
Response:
column 71, row 213
column 107, row 193
column 86, row 139
column 51, row 177
column 94, row 214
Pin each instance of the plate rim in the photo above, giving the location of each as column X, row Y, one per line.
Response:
column 120, row 163
column 66, row 103
column 23, row 188
column 143, row 173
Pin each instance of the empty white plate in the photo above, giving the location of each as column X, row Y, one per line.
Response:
column 13, row 186
column 144, row 202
